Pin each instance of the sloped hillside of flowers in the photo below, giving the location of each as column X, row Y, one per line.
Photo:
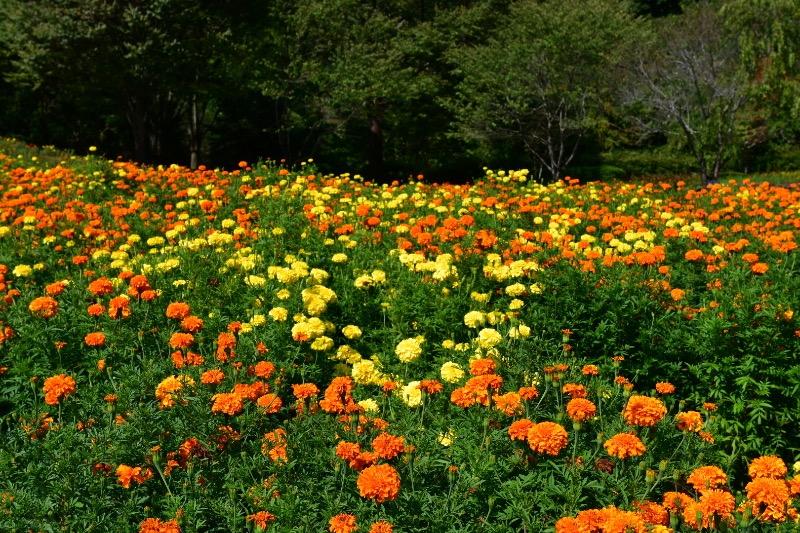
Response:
column 269, row 349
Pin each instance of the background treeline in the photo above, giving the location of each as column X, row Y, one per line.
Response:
column 391, row 88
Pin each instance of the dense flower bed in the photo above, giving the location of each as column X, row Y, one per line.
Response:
column 269, row 349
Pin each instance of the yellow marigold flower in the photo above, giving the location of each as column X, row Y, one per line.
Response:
column 279, row 314
column 412, row 395
column 473, row 319
column 517, row 289
column 489, row 337
column 408, row 350
column 22, row 271
column 369, row 405
column 352, row 332
column 363, row 372
column 451, row 372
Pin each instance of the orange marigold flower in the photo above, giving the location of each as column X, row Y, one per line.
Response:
column 342, row 523
column 707, row 477
column 54, row 289
column 168, row 389
column 708, row 406
column 302, row 391
column 665, row 388
column 547, row 437
column 261, row 519
column 767, row 466
column 431, row 386
column 192, row 324
column 225, row 344
column 57, row 387
column 264, row 369
column 480, row 367
column 101, row 286
column 270, row 403
column 693, row 255
column 156, row 525
column 677, row 294
column 127, row 474
column 181, row 340
column 768, row 498
column 712, row 502
column 348, row 451
column 624, row 445
column 381, row 527
column 228, row 403
column 462, row 397
column 794, row 486
column 652, row 513
column 618, row 521
column 590, row 370
column 178, row 310
column 212, row 377
column 96, row 338
column 519, row 429
column 689, row 421
column 575, row 390
column 379, row 482
column 96, row 310
column 759, row 268
column 581, row 409
column 568, row 524
column 528, row 393
column 44, row 306
column 363, row 460
column 118, row 307
column 148, row 295
column 388, row 446
column 644, row 411
column 338, row 396
column 509, row 403
column 677, row 501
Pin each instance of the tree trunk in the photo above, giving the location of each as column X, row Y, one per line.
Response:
column 137, row 119
column 375, row 169
column 195, row 118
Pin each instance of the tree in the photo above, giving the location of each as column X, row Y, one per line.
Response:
column 690, row 85
column 157, row 63
column 769, row 37
column 542, row 79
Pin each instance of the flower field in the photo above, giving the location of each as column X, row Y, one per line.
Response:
column 270, row 349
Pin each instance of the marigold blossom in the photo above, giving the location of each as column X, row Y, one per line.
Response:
column 547, row 437
column 624, row 445
column 379, row 482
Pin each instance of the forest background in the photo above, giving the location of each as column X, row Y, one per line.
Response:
column 597, row 89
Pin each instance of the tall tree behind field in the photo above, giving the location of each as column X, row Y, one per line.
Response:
column 691, row 86
column 542, row 79
column 769, row 39
column 153, row 63
column 363, row 81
